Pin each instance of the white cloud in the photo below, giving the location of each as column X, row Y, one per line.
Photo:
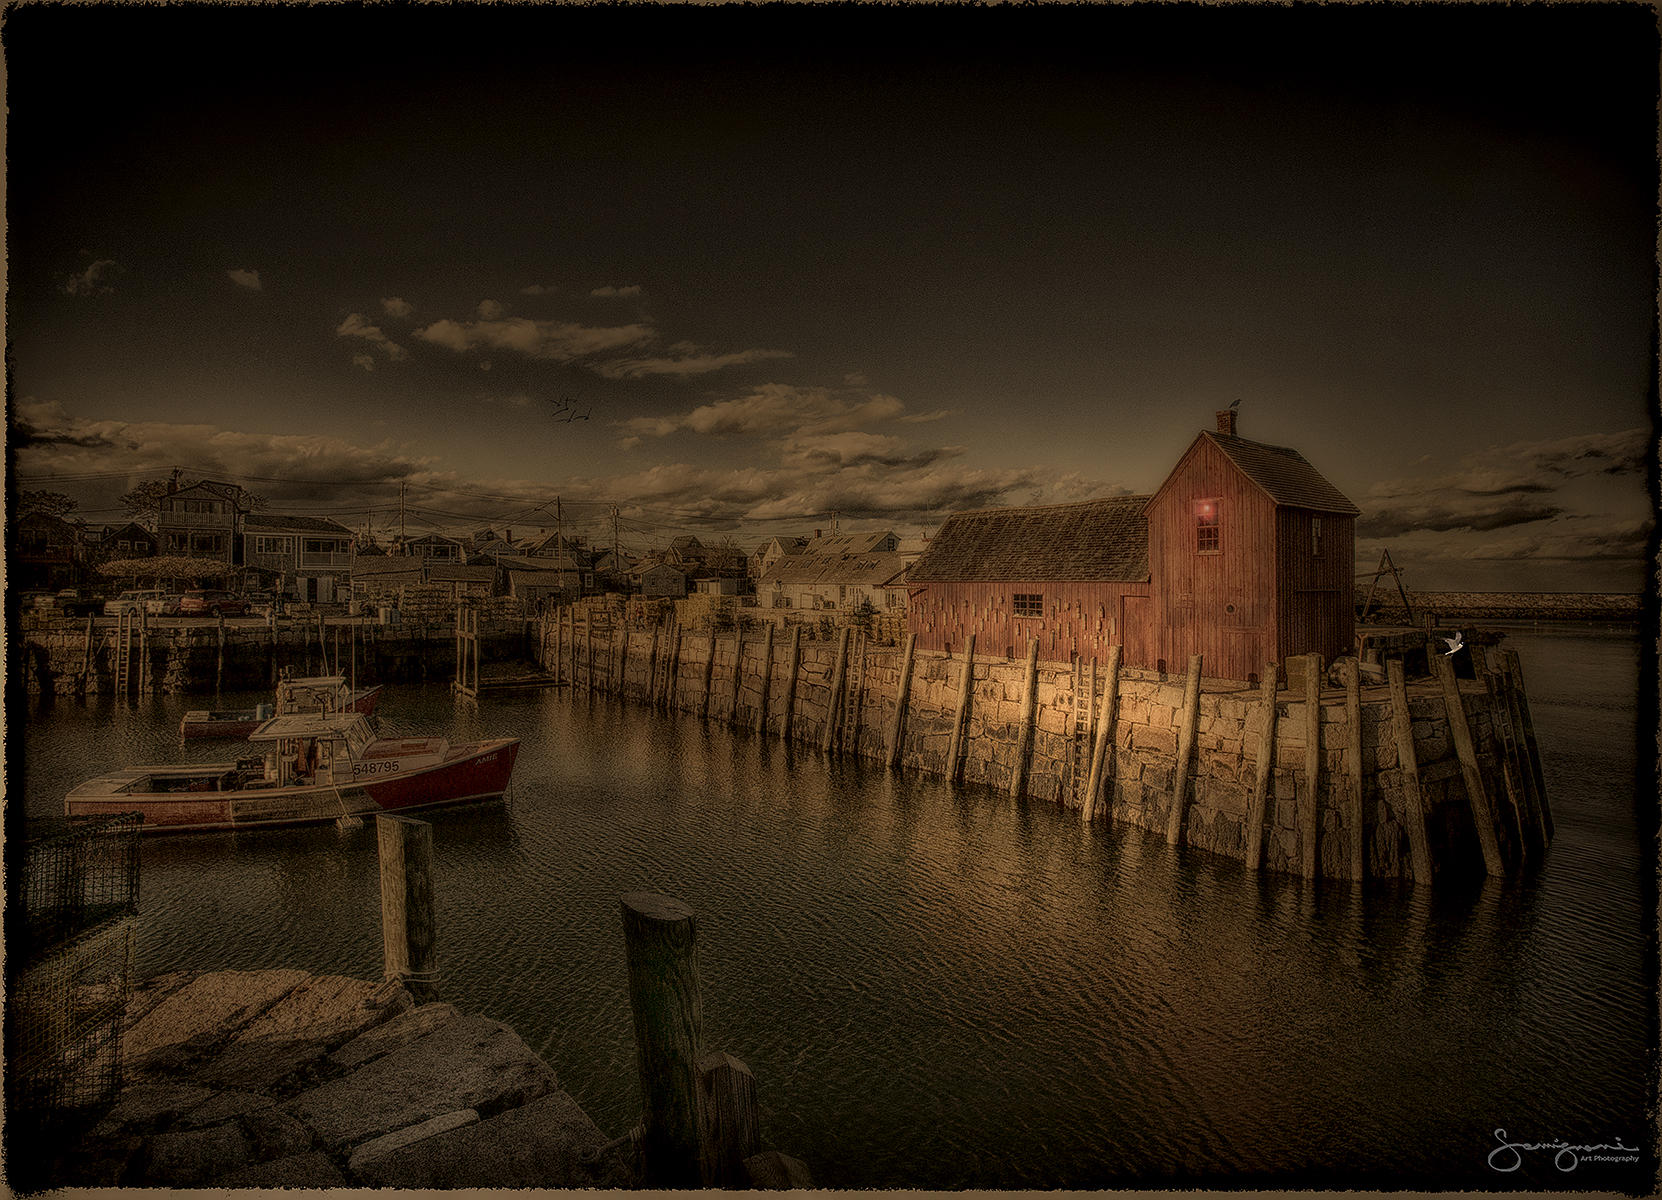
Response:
column 355, row 326
column 245, row 279
column 681, row 359
column 776, row 409
column 536, row 289
column 94, row 280
column 559, row 341
column 632, row 289
column 366, row 361
column 396, row 306
column 490, row 310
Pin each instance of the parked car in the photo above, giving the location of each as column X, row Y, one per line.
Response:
column 203, row 603
column 132, row 601
column 71, row 603
column 163, row 604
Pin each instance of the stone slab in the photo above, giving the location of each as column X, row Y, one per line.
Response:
column 211, row 1007
column 146, row 1104
column 387, row 1143
column 318, row 1003
column 310, row 1170
column 264, row 1064
column 547, row 1143
column 186, row 1158
column 403, row 1027
column 469, row 1062
column 273, row 1133
column 223, row 1107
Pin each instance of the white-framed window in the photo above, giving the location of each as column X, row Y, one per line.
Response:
column 266, row 544
column 1208, row 533
column 1315, row 537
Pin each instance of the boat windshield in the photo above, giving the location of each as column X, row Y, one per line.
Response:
column 357, row 737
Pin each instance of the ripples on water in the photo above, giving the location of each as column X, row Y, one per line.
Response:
column 944, row 989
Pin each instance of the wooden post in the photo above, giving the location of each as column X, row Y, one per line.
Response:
column 588, row 652
column 790, row 686
column 1263, row 770
column 86, row 653
column 1413, row 802
column 672, row 666
column 709, row 671
column 650, row 691
column 473, row 641
column 1103, row 748
column 1029, row 712
column 219, row 653
column 833, row 703
column 960, row 720
column 322, row 644
column 1309, row 809
column 1185, row 751
column 733, row 689
column 1353, row 817
column 1517, row 797
column 1514, row 674
column 660, row 936
column 1518, row 746
column 1483, row 816
column 767, row 679
column 144, row 651
column 620, row 657
column 903, row 693
column 731, row 1121
column 408, row 928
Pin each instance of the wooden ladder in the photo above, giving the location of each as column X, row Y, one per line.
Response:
column 854, row 684
column 1081, row 728
column 122, row 653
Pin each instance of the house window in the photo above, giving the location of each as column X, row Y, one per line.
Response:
column 1028, row 604
column 271, row 545
column 1315, row 537
column 1207, row 540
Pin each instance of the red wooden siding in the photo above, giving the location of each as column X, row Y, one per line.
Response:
column 1079, row 618
column 1318, row 612
column 1221, row 606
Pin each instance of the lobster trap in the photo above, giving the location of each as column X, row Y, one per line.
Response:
column 76, row 892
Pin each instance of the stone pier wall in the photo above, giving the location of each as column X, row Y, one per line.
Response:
column 1141, row 767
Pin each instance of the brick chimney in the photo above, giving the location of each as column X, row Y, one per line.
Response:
column 1226, row 422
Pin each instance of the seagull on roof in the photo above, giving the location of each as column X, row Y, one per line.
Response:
column 1455, row 644
column 1235, row 405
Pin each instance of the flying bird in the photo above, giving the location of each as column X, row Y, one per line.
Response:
column 1455, row 644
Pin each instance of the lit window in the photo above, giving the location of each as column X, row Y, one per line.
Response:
column 1315, row 537
column 1207, row 539
column 1028, row 604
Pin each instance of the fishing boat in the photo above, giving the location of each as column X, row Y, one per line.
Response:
column 309, row 693
column 315, row 767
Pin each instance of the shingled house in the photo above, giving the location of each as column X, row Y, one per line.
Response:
column 1244, row 555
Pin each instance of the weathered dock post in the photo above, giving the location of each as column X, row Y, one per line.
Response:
column 1483, row 816
column 1518, row 751
column 672, row 669
column 1352, row 671
column 1103, row 748
column 732, row 1126
column 767, row 678
column 1263, row 769
column 960, row 719
column 903, row 693
column 1029, row 713
column 649, row 689
column 1523, row 822
column 790, row 683
column 834, row 702
column 86, row 655
column 738, row 674
column 660, row 937
column 1514, row 676
column 1413, row 801
column 408, row 927
column 709, row 673
column 144, row 652
column 1309, row 808
column 219, row 655
column 588, row 653
column 1185, row 752
column 620, row 657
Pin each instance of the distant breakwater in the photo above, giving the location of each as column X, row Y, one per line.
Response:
column 1392, row 788
column 1506, row 606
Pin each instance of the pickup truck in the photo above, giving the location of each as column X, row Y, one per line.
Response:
column 71, row 603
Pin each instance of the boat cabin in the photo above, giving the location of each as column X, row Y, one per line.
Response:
column 313, row 693
column 313, row 747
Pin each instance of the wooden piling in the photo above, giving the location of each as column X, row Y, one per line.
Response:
column 650, row 689
column 1185, row 752
column 790, row 684
column 1514, row 675
column 1517, row 800
column 408, row 927
column 1029, row 713
column 1536, row 833
column 833, row 703
column 732, row 1125
column 903, row 693
column 709, row 672
column 738, row 675
column 660, row 936
column 1263, row 769
column 1309, row 808
column 1483, row 816
column 144, row 652
column 766, row 680
column 960, row 720
column 672, row 668
column 86, row 653
column 588, row 653
column 1102, row 750
column 1353, row 806
column 1402, row 725
column 620, row 657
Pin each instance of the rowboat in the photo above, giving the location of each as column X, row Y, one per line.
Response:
column 315, row 767
column 310, row 693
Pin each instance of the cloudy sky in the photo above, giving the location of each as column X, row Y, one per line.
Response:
column 735, row 271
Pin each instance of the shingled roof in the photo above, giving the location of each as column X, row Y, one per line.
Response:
column 1284, row 474
column 261, row 522
column 870, row 569
column 1095, row 541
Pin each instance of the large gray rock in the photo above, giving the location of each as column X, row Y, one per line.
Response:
column 148, row 1104
column 403, row 1027
column 264, row 1064
column 223, row 1107
column 310, row 1170
column 389, row 1143
column 547, row 1143
column 195, row 1156
column 273, row 1133
column 207, row 1010
column 469, row 1062
column 145, row 996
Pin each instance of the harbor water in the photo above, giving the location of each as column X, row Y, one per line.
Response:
column 943, row 988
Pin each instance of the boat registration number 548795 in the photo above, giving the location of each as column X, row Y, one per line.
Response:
column 385, row 767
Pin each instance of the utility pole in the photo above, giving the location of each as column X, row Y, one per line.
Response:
column 403, row 543
column 559, row 542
